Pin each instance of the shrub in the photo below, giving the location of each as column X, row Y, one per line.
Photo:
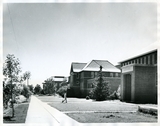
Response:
column 113, row 96
column 42, row 92
column 37, row 89
column 87, row 97
column 26, row 92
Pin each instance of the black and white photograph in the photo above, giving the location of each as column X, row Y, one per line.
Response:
column 67, row 63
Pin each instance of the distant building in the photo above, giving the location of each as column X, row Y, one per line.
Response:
column 139, row 78
column 58, row 80
column 82, row 76
column 52, row 84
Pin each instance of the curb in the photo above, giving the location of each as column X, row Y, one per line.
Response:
column 148, row 110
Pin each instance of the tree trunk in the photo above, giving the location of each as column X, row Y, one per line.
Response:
column 12, row 104
column 27, row 82
column 12, row 109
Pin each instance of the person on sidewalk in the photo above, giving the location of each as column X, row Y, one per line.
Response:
column 65, row 96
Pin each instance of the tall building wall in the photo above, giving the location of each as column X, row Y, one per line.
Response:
column 145, row 84
column 138, row 84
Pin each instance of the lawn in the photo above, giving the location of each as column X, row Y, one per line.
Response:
column 88, row 111
column 20, row 114
column 76, row 104
column 113, row 117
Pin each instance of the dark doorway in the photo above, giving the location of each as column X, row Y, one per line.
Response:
column 127, row 81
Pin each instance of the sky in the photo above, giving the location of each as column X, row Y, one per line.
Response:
column 48, row 37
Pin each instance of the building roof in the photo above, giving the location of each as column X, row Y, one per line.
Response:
column 58, row 78
column 133, row 57
column 94, row 65
column 149, row 49
column 77, row 67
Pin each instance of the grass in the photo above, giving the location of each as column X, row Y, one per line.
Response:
column 127, row 117
column 20, row 114
column 88, row 111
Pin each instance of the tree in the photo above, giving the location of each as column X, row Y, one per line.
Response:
column 37, row 89
column 101, row 90
column 26, row 76
column 49, row 86
column 11, row 69
column 26, row 92
column 31, row 88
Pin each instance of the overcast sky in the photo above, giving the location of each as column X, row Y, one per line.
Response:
column 48, row 37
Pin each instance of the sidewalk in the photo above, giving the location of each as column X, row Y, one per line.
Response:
column 40, row 113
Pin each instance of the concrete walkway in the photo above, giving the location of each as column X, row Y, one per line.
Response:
column 40, row 113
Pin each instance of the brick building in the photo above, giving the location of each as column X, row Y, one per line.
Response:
column 139, row 78
column 82, row 76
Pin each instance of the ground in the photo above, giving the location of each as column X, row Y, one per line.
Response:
column 88, row 111
column 127, row 117
column 20, row 114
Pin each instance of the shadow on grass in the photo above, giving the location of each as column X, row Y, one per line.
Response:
column 8, row 118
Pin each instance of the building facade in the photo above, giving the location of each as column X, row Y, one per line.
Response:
column 82, row 76
column 139, row 78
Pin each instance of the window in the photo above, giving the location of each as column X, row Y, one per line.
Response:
column 146, row 59
column 90, row 85
column 139, row 61
column 111, row 74
column 155, row 58
column 142, row 60
column 77, row 83
column 135, row 61
column 156, row 79
column 92, row 74
column 151, row 59
column 96, row 73
column 116, row 74
column 77, row 75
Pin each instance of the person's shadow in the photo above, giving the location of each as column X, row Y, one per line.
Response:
column 8, row 118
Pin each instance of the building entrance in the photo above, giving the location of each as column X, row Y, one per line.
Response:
column 127, row 81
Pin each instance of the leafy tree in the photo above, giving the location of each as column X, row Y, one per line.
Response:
column 49, row 86
column 101, row 90
column 6, row 94
column 26, row 92
column 11, row 69
column 37, row 89
column 31, row 88
column 26, row 76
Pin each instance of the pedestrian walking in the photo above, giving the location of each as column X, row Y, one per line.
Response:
column 65, row 97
